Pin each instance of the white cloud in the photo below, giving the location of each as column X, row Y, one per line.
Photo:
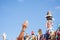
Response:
column 58, row 7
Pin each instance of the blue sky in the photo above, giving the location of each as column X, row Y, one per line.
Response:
column 14, row 12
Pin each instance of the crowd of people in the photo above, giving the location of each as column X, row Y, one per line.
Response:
column 49, row 35
column 55, row 35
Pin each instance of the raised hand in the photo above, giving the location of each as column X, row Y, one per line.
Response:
column 25, row 24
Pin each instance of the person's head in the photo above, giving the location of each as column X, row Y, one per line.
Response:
column 49, row 16
column 32, row 33
column 40, row 31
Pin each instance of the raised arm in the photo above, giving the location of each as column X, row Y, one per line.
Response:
column 21, row 35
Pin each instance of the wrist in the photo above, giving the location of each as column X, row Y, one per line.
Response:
column 23, row 30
